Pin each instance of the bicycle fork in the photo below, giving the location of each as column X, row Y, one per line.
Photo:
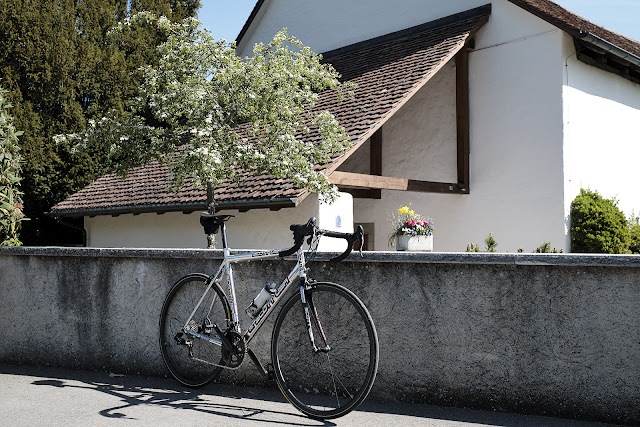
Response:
column 310, row 313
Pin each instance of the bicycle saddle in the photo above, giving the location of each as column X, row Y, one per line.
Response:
column 212, row 222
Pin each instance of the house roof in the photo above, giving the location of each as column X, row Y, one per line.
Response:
column 388, row 70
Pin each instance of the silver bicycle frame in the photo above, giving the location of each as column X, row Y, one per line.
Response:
column 298, row 271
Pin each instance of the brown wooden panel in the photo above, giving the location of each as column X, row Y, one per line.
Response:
column 462, row 118
column 390, row 183
column 375, row 165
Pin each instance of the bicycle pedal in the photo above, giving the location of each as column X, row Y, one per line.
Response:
column 271, row 373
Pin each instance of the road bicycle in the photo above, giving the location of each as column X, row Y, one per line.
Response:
column 324, row 345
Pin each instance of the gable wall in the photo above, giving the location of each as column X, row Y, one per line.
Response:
column 602, row 142
column 332, row 24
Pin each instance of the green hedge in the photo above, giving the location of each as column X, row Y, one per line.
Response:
column 598, row 225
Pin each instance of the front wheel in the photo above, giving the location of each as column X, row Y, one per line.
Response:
column 335, row 377
column 191, row 360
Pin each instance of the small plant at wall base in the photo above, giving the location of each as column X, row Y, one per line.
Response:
column 473, row 247
column 545, row 248
column 490, row 245
column 409, row 223
column 598, row 225
column 10, row 197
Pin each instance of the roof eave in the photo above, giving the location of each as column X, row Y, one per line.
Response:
column 179, row 207
column 609, row 47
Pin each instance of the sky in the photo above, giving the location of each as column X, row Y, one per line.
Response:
column 225, row 18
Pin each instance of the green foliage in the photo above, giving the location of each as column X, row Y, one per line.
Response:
column 598, row 225
column 10, row 197
column 472, row 248
column 61, row 71
column 545, row 248
column 490, row 243
column 250, row 113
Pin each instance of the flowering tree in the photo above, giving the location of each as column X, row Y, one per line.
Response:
column 207, row 113
column 10, row 197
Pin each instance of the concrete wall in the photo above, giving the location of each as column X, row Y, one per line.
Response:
column 602, row 143
column 557, row 335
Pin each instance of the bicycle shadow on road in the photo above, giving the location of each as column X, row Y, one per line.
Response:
column 133, row 391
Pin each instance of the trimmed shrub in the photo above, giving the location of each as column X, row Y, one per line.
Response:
column 598, row 225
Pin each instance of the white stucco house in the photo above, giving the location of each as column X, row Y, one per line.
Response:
column 486, row 115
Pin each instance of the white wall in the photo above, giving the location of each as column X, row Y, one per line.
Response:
column 332, row 24
column 255, row 229
column 602, row 142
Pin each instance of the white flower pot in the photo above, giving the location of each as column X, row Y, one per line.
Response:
column 414, row 243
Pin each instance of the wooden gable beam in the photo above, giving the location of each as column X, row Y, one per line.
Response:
column 360, row 180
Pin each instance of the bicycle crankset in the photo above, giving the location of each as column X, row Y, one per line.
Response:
column 233, row 359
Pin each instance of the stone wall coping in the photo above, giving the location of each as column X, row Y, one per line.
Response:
column 594, row 260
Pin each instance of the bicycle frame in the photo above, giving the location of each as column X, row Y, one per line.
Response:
column 298, row 271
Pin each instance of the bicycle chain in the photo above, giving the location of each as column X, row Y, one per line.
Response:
column 238, row 340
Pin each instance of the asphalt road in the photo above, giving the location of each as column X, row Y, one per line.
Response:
column 38, row 396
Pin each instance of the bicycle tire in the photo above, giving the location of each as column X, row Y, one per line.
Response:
column 325, row 385
column 177, row 307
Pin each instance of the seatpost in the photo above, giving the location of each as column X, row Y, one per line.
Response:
column 223, row 233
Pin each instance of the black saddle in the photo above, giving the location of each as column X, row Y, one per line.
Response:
column 212, row 222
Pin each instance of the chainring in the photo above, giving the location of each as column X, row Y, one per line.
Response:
column 235, row 358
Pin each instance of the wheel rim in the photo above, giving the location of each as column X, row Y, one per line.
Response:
column 326, row 384
column 179, row 304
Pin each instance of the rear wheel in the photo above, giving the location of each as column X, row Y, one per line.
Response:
column 335, row 379
column 190, row 359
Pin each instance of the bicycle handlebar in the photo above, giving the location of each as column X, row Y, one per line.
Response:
column 300, row 231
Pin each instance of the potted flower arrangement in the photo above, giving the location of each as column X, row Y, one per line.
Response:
column 411, row 231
